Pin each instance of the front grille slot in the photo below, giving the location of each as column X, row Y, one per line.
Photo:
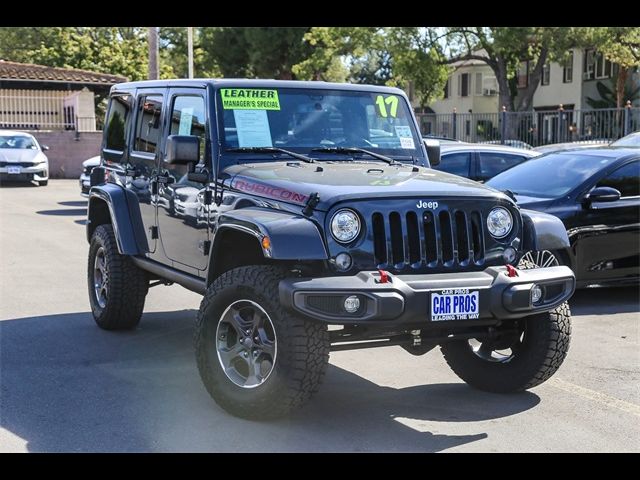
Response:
column 425, row 239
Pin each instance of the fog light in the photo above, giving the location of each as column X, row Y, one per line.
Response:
column 509, row 255
column 343, row 261
column 351, row 304
column 536, row 293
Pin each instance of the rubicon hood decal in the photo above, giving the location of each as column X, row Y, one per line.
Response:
column 277, row 193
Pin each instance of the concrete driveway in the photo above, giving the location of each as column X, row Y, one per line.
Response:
column 66, row 385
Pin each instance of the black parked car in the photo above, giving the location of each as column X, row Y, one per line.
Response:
column 305, row 205
column 596, row 193
column 480, row 161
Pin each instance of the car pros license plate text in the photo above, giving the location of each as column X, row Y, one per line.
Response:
column 455, row 304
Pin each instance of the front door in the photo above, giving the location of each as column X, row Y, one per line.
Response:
column 609, row 248
column 182, row 213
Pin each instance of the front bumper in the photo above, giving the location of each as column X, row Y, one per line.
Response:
column 406, row 299
column 85, row 185
column 39, row 171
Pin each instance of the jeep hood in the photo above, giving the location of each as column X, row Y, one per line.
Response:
column 294, row 182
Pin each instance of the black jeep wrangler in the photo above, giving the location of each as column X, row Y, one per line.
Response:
column 307, row 215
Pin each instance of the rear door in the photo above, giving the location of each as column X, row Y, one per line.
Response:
column 457, row 163
column 182, row 213
column 491, row 164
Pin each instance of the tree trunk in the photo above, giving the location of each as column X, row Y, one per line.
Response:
column 620, row 83
column 154, row 72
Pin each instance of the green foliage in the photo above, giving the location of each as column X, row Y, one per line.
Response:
column 608, row 96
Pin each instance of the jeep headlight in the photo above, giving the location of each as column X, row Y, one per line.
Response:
column 499, row 222
column 345, row 225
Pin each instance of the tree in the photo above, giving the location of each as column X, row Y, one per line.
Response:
column 504, row 48
column 620, row 45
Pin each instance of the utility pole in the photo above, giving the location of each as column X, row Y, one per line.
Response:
column 190, row 49
column 154, row 71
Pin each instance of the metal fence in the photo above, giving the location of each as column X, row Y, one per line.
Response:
column 534, row 128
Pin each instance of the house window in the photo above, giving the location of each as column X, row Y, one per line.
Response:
column 463, row 85
column 479, row 83
column 446, row 88
column 567, row 70
column 523, row 74
column 546, row 74
column 603, row 67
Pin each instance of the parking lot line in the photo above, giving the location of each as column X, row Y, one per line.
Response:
column 594, row 395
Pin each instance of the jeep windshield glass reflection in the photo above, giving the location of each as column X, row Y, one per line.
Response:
column 303, row 119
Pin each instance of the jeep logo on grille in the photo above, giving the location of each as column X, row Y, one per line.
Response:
column 423, row 204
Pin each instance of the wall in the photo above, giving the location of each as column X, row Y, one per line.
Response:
column 476, row 102
column 67, row 150
column 558, row 92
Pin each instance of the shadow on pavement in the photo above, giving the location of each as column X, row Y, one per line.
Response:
column 69, row 386
column 64, row 212
column 18, row 185
column 81, row 222
column 605, row 301
column 79, row 203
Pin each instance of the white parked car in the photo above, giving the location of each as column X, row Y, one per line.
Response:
column 85, row 180
column 22, row 158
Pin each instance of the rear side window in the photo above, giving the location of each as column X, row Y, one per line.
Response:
column 456, row 163
column 492, row 163
column 148, row 123
column 625, row 179
column 117, row 123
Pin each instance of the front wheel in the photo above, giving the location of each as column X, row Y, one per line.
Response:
column 256, row 359
column 523, row 358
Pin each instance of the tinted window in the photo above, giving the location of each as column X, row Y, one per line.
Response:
column 148, row 123
column 188, row 118
column 456, row 163
column 551, row 175
column 117, row 122
column 492, row 164
column 625, row 179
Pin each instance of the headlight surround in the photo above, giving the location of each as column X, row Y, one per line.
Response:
column 499, row 222
column 345, row 225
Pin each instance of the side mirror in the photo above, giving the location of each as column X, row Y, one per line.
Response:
column 433, row 151
column 182, row 149
column 44, row 147
column 603, row 194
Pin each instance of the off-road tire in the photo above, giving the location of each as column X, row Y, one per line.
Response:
column 545, row 346
column 302, row 347
column 128, row 284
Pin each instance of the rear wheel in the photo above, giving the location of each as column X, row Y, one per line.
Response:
column 256, row 359
column 117, row 287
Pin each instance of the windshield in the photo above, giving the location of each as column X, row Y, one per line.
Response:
column 16, row 142
column 550, row 176
column 303, row 119
column 632, row 140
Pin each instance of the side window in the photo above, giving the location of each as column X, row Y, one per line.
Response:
column 188, row 118
column 148, row 123
column 456, row 163
column 625, row 179
column 491, row 164
column 117, row 125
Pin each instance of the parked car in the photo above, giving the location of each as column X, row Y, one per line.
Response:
column 313, row 218
column 510, row 143
column 631, row 140
column 480, row 161
column 22, row 158
column 441, row 139
column 596, row 193
column 85, row 180
column 556, row 147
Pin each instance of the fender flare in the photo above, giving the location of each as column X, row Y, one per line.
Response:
column 124, row 214
column 542, row 231
column 292, row 237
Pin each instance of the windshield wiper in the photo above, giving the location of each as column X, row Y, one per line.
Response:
column 384, row 158
column 298, row 156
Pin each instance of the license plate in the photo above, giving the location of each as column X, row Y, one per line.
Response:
column 14, row 170
column 455, row 304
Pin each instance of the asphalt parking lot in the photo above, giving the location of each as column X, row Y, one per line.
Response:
column 66, row 385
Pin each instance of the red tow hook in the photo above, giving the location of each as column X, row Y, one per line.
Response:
column 511, row 271
column 384, row 277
